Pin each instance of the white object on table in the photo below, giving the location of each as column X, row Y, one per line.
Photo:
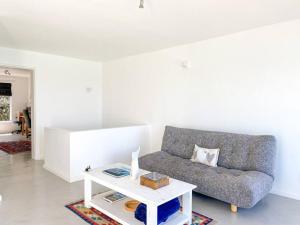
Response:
column 0, row 198
column 132, row 189
column 135, row 164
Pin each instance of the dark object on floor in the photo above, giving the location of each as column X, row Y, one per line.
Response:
column 164, row 211
column 13, row 147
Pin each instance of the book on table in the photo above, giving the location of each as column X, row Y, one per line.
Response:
column 117, row 172
column 113, row 196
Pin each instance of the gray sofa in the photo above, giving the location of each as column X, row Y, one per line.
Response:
column 245, row 167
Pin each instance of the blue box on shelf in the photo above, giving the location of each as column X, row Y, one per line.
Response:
column 164, row 211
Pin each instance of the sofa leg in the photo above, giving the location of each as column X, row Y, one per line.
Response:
column 233, row 208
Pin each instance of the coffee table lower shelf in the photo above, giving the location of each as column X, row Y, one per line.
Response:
column 117, row 212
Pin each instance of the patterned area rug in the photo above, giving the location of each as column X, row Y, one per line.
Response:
column 94, row 217
column 13, row 147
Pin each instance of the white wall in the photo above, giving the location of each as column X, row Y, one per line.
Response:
column 247, row 82
column 57, row 152
column 69, row 152
column 60, row 94
column 20, row 95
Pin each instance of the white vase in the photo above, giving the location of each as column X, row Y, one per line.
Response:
column 135, row 164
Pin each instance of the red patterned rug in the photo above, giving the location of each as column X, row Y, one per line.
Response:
column 13, row 147
column 94, row 217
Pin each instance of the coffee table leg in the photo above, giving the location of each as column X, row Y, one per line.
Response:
column 87, row 192
column 151, row 214
column 187, row 206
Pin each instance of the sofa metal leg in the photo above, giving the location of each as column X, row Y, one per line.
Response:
column 233, row 208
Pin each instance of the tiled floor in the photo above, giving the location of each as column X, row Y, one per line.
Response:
column 33, row 196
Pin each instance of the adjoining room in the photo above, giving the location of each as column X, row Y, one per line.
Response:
column 15, row 111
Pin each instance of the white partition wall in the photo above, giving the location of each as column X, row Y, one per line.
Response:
column 57, row 152
column 68, row 152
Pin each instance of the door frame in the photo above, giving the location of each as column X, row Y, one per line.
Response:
column 35, row 152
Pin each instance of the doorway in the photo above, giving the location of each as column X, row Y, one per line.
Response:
column 16, row 113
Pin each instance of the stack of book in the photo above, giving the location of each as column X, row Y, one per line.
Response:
column 113, row 196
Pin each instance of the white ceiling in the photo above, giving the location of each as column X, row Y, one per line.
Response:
column 108, row 29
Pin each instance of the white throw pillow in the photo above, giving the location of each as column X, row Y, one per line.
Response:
column 206, row 156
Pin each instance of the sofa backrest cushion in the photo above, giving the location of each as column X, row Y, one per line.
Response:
column 237, row 151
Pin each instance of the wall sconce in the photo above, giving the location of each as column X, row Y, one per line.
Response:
column 186, row 64
column 88, row 89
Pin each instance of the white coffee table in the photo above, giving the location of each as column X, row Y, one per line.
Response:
column 132, row 189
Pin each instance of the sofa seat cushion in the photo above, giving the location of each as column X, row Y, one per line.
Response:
column 241, row 188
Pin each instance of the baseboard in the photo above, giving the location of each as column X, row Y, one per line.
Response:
column 57, row 173
column 75, row 179
column 285, row 194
